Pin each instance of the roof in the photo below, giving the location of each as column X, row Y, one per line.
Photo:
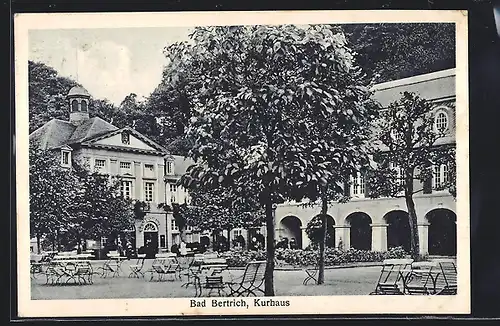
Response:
column 78, row 91
column 91, row 128
column 53, row 134
column 432, row 86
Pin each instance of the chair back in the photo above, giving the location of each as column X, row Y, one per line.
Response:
column 448, row 273
column 391, row 270
column 254, row 271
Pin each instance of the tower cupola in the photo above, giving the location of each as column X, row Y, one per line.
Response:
column 78, row 99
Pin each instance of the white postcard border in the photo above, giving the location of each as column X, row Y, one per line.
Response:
column 459, row 304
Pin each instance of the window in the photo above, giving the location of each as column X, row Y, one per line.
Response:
column 173, row 225
column 126, row 189
column 441, row 122
column 440, row 176
column 189, row 238
column 100, row 164
column 74, row 106
column 237, row 233
column 170, row 168
column 173, row 193
column 357, row 185
column 84, row 106
column 149, row 191
column 65, row 158
column 125, row 165
column 149, row 170
column 125, row 138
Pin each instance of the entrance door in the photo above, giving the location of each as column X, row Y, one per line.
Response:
column 151, row 243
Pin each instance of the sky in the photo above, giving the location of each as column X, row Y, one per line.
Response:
column 109, row 63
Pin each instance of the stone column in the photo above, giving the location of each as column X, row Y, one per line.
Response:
column 379, row 237
column 423, row 237
column 138, row 181
column 305, row 238
column 343, row 233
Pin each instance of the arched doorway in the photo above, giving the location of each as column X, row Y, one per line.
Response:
column 290, row 228
column 314, row 230
column 361, row 231
column 398, row 230
column 150, row 239
column 442, row 232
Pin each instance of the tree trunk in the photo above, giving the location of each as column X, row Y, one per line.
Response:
column 38, row 243
column 412, row 214
column 322, row 243
column 269, row 275
column 228, row 238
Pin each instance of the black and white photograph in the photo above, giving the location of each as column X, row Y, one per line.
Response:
column 242, row 163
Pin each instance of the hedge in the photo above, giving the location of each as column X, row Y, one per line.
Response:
column 298, row 257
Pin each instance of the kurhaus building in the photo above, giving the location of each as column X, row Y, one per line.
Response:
column 379, row 224
column 150, row 173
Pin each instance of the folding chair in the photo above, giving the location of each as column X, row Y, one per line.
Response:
column 250, row 282
column 421, row 279
column 164, row 266
column 83, row 272
column 192, row 271
column 110, row 266
column 211, row 283
column 446, row 280
column 136, row 269
column 392, row 275
column 312, row 274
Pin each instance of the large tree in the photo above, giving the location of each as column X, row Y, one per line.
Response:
column 390, row 51
column 261, row 93
column 99, row 210
column 52, row 194
column 408, row 150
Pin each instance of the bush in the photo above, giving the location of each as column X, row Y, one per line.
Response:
column 334, row 256
column 240, row 258
column 298, row 257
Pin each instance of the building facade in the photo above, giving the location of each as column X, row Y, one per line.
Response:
column 148, row 173
column 378, row 224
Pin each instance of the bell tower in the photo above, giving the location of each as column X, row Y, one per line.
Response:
column 78, row 100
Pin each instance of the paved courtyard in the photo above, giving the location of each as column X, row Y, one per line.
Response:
column 339, row 281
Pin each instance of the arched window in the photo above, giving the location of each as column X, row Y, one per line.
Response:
column 74, row 106
column 84, row 106
column 150, row 227
column 441, row 121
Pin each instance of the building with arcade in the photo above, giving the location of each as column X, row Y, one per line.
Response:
column 379, row 224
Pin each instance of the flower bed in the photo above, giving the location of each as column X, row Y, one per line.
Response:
column 333, row 256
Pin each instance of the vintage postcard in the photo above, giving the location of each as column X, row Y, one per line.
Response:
column 242, row 163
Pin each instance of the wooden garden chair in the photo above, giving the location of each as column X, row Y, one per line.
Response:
column 83, row 272
column 250, row 282
column 392, row 276
column 136, row 269
column 446, row 280
column 164, row 266
column 421, row 279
